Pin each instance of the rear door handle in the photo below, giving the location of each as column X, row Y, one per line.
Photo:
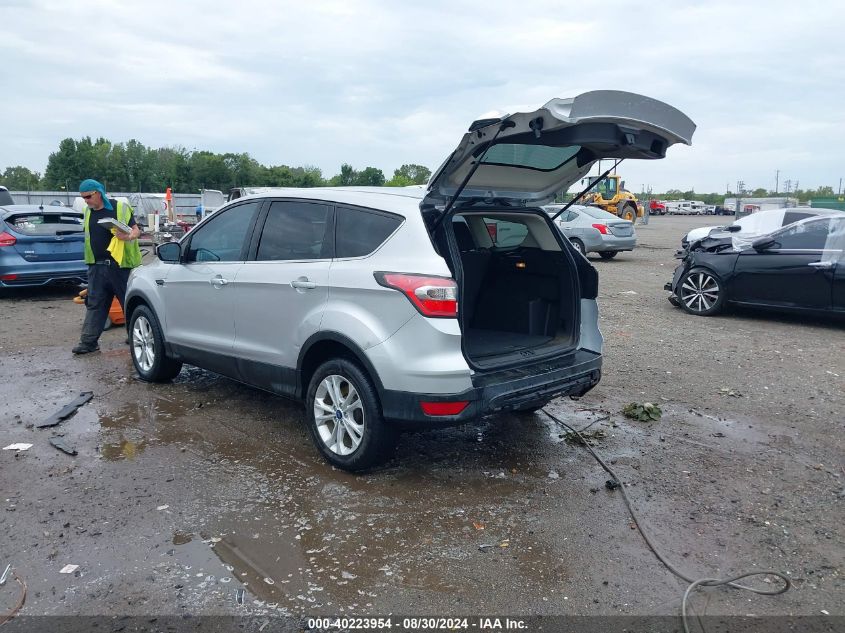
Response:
column 822, row 265
column 218, row 281
column 303, row 283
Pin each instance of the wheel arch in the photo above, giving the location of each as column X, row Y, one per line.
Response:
column 323, row 346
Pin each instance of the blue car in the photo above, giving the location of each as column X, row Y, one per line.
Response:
column 40, row 246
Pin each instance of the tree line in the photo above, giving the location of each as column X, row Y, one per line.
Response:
column 132, row 166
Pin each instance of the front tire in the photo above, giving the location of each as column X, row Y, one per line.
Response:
column 147, row 345
column 700, row 292
column 344, row 417
column 608, row 254
column 629, row 212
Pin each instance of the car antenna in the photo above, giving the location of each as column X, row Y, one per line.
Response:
column 583, row 193
column 502, row 127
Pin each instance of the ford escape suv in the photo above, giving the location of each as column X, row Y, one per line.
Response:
column 386, row 309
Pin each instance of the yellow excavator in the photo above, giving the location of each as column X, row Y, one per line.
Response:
column 610, row 194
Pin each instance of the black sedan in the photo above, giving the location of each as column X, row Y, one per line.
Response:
column 798, row 267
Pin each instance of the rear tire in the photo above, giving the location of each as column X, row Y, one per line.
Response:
column 344, row 417
column 700, row 292
column 608, row 254
column 147, row 348
column 578, row 245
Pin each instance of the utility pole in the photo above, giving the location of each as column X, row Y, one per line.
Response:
column 839, row 191
column 777, row 177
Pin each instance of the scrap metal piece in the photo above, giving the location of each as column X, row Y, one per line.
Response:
column 66, row 411
column 239, row 596
column 59, row 443
column 5, row 574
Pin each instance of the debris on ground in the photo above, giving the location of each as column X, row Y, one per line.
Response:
column 66, row 411
column 68, row 569
column 589, row 437
column 643, row 411
column 58, row 442
column 20, row 446
column 611, row 484
column 726, row 391
column 239, row 596
column 5, row 574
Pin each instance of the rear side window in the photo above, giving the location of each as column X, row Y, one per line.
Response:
column 45, row 224
column 506, row 234
column 295, row 231
column 360, row 232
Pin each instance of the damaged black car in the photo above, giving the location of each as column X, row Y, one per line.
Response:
column 799, row 267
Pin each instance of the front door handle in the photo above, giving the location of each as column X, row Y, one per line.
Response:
column 822, row 265
column 218, row 281
column 303, row 283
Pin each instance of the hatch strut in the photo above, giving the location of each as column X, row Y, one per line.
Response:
column 592, row 184
column 504, row 125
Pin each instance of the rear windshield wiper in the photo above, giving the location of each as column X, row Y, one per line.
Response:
column 69, row 231
column 585, row 191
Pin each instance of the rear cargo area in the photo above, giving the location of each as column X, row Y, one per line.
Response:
column 517, row 289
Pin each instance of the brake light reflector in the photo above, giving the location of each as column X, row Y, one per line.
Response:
column 10, row 277
column 7, row 240
column 432, row 296
column 443, row 408
column 601, row 227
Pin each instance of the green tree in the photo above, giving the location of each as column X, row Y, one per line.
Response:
column 370, row 177
column 19, row 178
column 410, row 174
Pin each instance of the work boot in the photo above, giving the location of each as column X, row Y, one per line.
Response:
column 82, row 348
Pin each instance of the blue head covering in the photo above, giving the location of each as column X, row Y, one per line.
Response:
column 92, row 185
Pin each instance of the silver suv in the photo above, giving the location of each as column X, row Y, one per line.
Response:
column 386, row 309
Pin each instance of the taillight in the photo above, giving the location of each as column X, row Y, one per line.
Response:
column 601, row 227
column 432, row 296
column 6, row 239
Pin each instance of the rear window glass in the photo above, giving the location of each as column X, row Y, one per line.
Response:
column 49, row 224
column 598, row 214
column 361, row 232
column 541, row 157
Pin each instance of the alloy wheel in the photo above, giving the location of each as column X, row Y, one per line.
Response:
column 339, row 415
column 143, row 343
column 700, row 292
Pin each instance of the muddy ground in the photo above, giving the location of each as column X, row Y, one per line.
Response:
column 183, row 494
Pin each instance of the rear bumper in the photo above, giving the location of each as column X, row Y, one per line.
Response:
column 574, row 374
column 613, row 243
column 41, row 275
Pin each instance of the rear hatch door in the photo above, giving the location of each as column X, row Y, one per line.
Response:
column 44, row 235
column 528, row 157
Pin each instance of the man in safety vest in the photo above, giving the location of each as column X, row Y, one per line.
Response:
column 110, row 254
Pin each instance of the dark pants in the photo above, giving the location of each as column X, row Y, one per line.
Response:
column 104, row 283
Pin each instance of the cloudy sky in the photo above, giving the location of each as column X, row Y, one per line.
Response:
column 380, row 83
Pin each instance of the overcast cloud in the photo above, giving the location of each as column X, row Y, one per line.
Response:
column 378, row 83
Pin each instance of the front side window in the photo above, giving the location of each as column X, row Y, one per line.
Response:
column 810, row 235
column 221, row 238
column 360, row 232
column 295, row 231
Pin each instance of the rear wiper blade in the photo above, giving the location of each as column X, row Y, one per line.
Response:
column 585, row 191
column 69, row 232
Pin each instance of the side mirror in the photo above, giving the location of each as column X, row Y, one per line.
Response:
column 170, row 252
column 763, row 243
column 733, row 228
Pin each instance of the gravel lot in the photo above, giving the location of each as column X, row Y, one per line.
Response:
column 182, row 494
